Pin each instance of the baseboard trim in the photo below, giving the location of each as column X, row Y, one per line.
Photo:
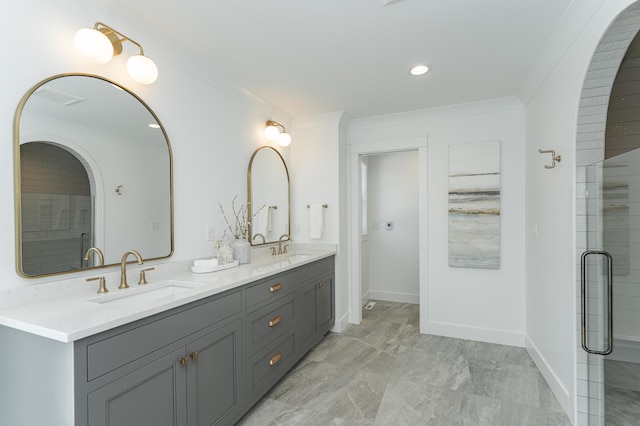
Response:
column 561, row 393
column 341, row 324
column 500, row 337
column 390, row 296
column 365, row 299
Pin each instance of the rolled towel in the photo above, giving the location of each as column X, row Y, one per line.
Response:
column 205, row 263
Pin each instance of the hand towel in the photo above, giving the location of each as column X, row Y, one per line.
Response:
column 316, row 221
column 269, row 219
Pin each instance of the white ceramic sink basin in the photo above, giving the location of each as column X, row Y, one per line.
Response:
column 297, row 256
column 158, row 292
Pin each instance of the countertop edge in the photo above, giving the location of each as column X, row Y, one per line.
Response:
column 18, row 317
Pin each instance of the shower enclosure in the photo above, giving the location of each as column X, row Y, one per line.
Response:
column 610, row 290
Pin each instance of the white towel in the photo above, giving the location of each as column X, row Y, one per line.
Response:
column 316, row 221
column 269, row 220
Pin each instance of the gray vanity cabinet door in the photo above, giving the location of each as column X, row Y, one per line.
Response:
column 214, row 377
column 317, row 309
column 153, row 395
column 325, row 315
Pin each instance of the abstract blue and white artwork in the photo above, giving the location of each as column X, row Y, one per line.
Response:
column 474, row 205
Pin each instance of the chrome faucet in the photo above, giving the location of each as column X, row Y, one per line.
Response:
column 98, row 252
column 123, row 267
column 261, row 236
column 280, row 240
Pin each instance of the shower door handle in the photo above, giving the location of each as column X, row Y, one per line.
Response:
column 583, row 291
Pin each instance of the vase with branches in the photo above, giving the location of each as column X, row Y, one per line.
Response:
column 239, row 226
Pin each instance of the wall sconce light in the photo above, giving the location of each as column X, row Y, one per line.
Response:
column 101, row 43
column 273, row 133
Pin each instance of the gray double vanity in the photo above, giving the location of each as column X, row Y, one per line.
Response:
column 184, row 349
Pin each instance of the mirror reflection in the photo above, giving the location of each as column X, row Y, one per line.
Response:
column 268, row 179
column 92, row 169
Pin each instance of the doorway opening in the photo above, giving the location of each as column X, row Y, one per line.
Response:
column 389, row 205
column 358, row 289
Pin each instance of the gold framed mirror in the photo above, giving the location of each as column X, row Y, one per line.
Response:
column 269, row 193
column 92, row 168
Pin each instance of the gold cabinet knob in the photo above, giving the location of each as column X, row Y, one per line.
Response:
column 184, row 361
column 194, row 355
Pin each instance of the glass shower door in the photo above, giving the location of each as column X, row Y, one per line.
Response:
column 610, row 290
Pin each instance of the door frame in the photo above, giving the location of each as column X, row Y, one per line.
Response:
column 355, row 152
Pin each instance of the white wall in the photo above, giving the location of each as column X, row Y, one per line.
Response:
column 318, row 170
column 213, row 126
column 478, row 304
column 393, row 254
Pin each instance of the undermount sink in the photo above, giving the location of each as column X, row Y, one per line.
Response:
column 163, row 291
column 297, row 256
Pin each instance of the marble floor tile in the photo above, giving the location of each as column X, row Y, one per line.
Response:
column 493, row 412
column 450, row 371
column 623, row 375
column 410, row 403
column 384, row 372
column 622, row 407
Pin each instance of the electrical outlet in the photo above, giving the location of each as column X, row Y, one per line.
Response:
column 210, row 233
column 298, row 229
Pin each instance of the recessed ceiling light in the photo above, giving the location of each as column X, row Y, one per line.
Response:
column 420, row 70
column 154, row 125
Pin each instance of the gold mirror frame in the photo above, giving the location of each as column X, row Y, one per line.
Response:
column 250, row 190
column 18, row 176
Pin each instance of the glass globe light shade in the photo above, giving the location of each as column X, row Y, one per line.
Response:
column 271, row 133
column 284, row 139
column 142, row 69
column 94, row 45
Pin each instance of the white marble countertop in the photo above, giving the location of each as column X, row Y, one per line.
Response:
column 76, row 315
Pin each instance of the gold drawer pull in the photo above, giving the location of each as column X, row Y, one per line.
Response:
column 195, row 355
column 275, row 321
column 184, row 361
column 275, row 359
column 275, row 287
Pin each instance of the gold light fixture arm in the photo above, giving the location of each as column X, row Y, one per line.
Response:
column 275, row 124
column 116, row 38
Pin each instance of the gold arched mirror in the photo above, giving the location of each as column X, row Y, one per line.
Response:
column 268, row 206
column 93, row 168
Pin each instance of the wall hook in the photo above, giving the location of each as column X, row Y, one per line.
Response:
column 554, row 158
column 118, row 191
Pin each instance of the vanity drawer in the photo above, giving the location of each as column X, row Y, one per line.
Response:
column 270, row 289
column 267, row 323
column 269, row 365
column 127, row 344
column 317, row 268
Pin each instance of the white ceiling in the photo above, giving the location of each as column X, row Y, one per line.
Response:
column 309, row 57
